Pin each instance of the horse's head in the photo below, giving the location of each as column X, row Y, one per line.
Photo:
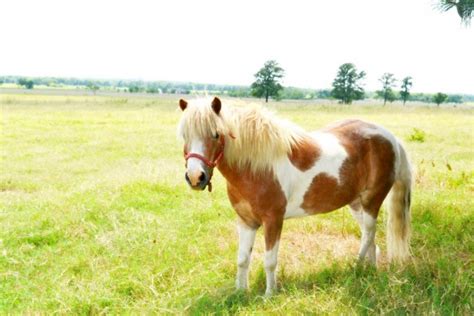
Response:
column 201, row 128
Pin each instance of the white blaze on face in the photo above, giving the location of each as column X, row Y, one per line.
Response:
column 195, row 166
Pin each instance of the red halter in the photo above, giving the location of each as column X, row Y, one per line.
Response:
column 210, row 163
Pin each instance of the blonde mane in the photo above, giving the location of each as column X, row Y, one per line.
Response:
column 255, row 137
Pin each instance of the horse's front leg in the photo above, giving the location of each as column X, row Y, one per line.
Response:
column 272, row 227
column 246, row 241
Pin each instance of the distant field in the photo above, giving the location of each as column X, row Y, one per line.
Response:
column 112, row 92
column 96, row 217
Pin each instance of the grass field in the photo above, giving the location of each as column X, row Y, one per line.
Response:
column 96, row 217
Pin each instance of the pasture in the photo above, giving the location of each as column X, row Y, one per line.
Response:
column 96, row 217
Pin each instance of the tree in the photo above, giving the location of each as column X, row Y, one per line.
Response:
column 266, row 83
column 463, row 7
column 439, row 98
column 406, row 85
column 324, row 94
column 135, row 89
column 93, row 87
column 28, row 84
column 152, row 89
column 455, row 98
column 345, row 86
column 388, row 82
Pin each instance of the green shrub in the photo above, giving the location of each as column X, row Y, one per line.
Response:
column 417, row 135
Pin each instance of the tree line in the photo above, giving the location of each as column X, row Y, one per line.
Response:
column 348, row 87
column 132, row 86
column 286, row 93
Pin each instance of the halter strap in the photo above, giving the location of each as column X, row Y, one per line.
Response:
column 210, row 163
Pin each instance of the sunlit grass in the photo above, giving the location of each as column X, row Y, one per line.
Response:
column 95, row 217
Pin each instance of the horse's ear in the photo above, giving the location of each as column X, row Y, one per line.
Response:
column 183, row 104
column 216, row 105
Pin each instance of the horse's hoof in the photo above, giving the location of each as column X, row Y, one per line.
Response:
column 241, row 286
column 269, row 293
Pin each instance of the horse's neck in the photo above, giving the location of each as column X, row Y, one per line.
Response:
column 227, row 168
column 229, row 172
column 240, row 176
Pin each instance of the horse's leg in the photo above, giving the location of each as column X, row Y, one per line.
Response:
column 367, row 224
column 246, row 241
column 272, row 229
column 367, row 246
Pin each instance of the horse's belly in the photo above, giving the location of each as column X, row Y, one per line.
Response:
column 295, row 211
column 324, row 194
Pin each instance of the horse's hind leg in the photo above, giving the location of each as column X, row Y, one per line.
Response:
column 367, row 224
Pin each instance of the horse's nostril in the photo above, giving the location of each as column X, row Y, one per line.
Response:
column 202, row 177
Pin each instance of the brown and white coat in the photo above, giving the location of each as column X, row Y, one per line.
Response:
column 275, row 170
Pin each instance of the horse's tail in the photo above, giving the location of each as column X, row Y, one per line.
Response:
column 398, row 223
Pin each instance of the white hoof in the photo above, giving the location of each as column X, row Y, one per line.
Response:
column 241, row 285
column 269, row 293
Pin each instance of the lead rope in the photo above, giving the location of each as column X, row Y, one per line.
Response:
column 209, row 186
column 219, row 157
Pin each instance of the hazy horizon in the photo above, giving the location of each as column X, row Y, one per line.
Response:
column 226, row 43
column 219, row 84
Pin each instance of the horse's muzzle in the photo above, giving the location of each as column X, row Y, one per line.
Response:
column 197, row 182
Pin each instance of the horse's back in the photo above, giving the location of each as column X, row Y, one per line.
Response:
column 357, row 130
column 366, row 171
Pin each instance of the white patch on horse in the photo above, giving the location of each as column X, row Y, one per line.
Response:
column 295, row 183
column 195, row 164
column 379, row 130
column 332, row 154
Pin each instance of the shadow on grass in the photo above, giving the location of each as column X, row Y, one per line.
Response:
column 427, row 287
column 230, row 301
column 439, row 281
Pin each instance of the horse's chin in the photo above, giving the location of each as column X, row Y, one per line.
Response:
column 200, row 187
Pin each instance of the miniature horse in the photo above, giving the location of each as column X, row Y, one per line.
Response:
column 275, row 170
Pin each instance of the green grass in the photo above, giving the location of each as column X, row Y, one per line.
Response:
column 96, row 217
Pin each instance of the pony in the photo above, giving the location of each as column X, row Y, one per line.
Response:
column 275, row 170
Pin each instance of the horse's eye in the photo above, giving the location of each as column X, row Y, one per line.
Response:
column 216, row 136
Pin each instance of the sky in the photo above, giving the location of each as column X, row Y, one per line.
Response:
column 226, row 42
